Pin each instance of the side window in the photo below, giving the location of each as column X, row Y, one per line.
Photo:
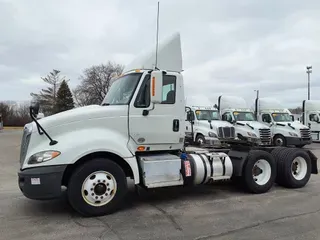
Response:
column 313, row 117
column 227, row 117
column 143, row 97
column 266, row 118
column 169, row 89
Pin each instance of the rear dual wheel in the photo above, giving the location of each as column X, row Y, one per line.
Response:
column 259, row 173
column 293, row 167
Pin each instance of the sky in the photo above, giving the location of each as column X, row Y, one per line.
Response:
column 229, row 47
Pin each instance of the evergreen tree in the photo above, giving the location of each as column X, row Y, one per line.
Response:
column 64, row 98
column 48, row 96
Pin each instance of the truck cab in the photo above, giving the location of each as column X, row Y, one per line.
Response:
column 234, row 110
column 285, row 131
column 205, row 121
column 311, row 117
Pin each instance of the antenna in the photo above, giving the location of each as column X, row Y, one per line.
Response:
column 157, row 39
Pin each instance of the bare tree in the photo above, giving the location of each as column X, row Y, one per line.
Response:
column 48, row 97
column 14, row 115
column 95, row 83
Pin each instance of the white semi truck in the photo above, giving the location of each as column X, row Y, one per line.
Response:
column 234, row 110
column 204, row 122
column 138, row 132
column 284, row 130
column 311, row 117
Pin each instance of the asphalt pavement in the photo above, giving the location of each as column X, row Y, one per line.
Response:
column 217, row 211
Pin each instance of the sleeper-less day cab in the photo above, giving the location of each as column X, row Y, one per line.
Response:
column 234, row 109
column 138, row 132
column 284, row 130
column 311, row 117
column 203, row 120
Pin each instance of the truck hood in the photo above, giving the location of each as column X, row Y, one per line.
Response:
column 81, row 114
column 256, row 125
column 296, row 125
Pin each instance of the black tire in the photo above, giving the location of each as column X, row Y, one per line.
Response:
column 74, row 190
column 249, row 182
column 284, row 168
column 275, row 153
column 279, row 140
column 199, row 138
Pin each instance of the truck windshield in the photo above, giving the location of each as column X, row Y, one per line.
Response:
column 244, row 116
column 281, row 117
column 122, row 89
column 207, row 115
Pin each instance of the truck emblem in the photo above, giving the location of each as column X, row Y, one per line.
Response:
column 141, row 140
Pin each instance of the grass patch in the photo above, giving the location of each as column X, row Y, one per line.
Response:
column 12, row 128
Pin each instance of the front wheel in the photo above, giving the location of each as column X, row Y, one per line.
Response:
column 200, row 139
column 259, row 172
column 97, row 187
column 279, row 141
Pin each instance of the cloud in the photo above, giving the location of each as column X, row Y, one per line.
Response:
column 229, row 47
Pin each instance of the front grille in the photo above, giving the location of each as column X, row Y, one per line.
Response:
column 226, row 132
column 24, row 145
column 305, row 133
column 265, row 135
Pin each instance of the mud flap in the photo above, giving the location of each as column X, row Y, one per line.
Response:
column 314, row 162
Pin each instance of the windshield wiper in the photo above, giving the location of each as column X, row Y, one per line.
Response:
column 105, row 104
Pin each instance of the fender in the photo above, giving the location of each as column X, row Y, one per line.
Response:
column 75, row 144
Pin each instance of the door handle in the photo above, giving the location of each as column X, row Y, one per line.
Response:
column 175, row 126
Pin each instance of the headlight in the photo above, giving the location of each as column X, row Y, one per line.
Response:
column 43, row 156
column 212, row 134
column 251, row 134
column 293, row 134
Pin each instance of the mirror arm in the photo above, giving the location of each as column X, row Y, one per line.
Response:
column 52, row 142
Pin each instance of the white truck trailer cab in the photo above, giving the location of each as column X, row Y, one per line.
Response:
column 138, row 132
column 284, row 130
column 234, row 110
column 204, row 121
column 311, row 117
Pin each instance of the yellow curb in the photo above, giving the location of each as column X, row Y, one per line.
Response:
column 12, row 128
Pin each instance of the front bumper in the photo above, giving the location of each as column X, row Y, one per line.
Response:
column 41, row 183
column 298, row 141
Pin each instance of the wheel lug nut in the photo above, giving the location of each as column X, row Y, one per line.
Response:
column 92, row 194
column 94, row 184
column 91, row 189
column 101, row 197
column 104, row 181
column 108, row 189
column 107, row 184
column 98, row 180
column 96, row 197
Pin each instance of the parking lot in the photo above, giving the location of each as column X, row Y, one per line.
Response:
column 218, row 211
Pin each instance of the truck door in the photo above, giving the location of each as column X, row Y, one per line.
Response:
column 165, row 123
column 313, row 122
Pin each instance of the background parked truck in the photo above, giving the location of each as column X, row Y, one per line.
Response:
column 234, row 110
column 284, row 130
column 206, row 122
column 311, row 117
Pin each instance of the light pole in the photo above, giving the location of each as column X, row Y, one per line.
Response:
column 309, row 70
